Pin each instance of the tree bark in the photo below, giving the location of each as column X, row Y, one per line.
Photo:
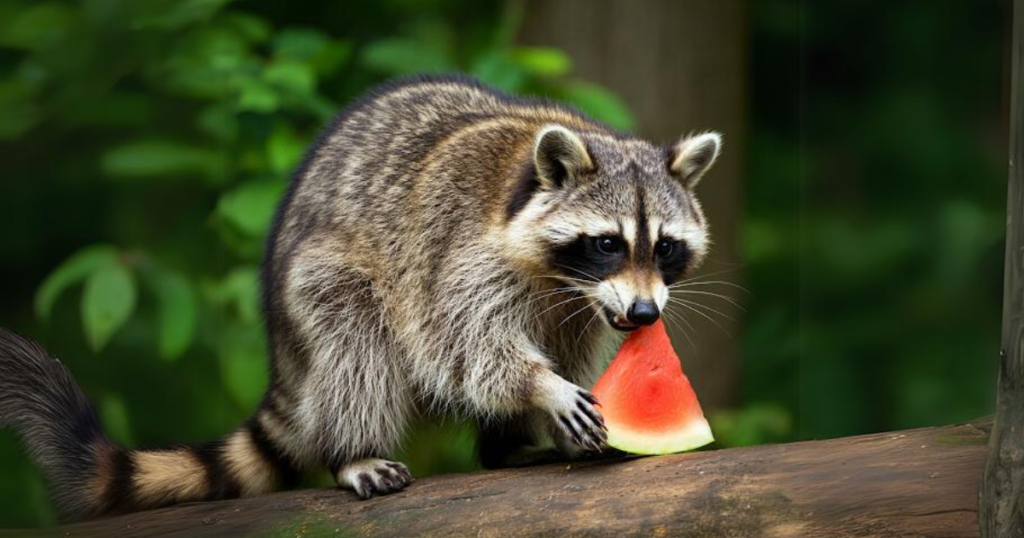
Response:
column 1002, row 490
column 680, row 65
column 911, row 483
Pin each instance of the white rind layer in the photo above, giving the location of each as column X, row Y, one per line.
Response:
column 696, row 434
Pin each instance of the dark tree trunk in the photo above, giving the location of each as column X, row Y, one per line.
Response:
column 911, row 483
column 680, row 65
column 1002, row 490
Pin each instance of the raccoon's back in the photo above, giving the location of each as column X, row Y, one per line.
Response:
column 360, row 179
column 382, row 140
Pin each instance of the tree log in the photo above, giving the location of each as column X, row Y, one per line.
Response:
column 920, row 482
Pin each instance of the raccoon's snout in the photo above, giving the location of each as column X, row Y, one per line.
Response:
column 643, row 312
column 640, row 313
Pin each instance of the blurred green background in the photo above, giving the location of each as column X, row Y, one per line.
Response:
column 145, row 144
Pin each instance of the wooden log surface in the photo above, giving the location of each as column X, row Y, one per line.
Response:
column 920, row 482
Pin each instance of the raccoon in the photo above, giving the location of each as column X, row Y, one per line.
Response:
column 444, row 249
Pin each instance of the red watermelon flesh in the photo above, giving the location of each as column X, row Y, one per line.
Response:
column 647, row 401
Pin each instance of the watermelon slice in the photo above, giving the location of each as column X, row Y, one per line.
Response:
column 647, row 402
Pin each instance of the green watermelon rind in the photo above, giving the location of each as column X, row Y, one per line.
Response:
column 695, row 434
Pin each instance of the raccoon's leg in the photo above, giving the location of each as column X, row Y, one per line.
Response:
column 516, row 378
column 565, row 443
column 355, row 399
column 581, row 357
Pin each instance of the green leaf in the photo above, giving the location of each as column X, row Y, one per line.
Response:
column 542, row 61
column 284, row 149
column 600, row 103
column 242, row 289
column 311, row 47
column 176, row 312
column 70, row 272
column 163, row 158
column 295, row 77
column 107, row 302
column 258, row 96
column 495, row 69
column 210, row 63
column 401, row 56
column 300, row 43
column 251, row 27
column 251, row 206
column 243, row 364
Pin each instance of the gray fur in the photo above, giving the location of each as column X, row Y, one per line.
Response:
column 397, row 284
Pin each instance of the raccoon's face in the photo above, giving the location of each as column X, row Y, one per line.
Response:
column 615, row 221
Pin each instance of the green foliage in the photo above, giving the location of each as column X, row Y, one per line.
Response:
column 107, row 301
column 155, row 158
column 74, row 270
column 400, row 56
column 599, row 103
column 176, row 317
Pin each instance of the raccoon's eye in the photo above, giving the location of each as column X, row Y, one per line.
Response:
column 664, row 248
column 608, row 245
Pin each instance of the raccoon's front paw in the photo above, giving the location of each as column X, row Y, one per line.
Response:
column 573, row 411
column 373, row 476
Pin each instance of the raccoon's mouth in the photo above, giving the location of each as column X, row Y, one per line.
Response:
column 619, row 323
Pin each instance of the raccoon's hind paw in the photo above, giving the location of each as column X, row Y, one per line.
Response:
column 373, row 476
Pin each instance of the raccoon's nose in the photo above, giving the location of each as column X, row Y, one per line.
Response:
column 643, row 312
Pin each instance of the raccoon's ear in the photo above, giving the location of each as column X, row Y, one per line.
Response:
column 692, row 156
column 560, row 157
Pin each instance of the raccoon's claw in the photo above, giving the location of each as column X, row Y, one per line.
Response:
column 372, row 476
column 575, row 414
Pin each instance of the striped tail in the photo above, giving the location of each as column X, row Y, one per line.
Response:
column 90, row 476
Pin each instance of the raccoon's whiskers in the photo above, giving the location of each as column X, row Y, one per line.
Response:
column 563, row 277
column 704, row 306
column 687, row 284
column 671, row 318
column 709, row 318
column 560, row 303
column 698, row 278
column 592, row 303
column 587, row 326
column 534, row 297
column 725, row 298
column 584, row 273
